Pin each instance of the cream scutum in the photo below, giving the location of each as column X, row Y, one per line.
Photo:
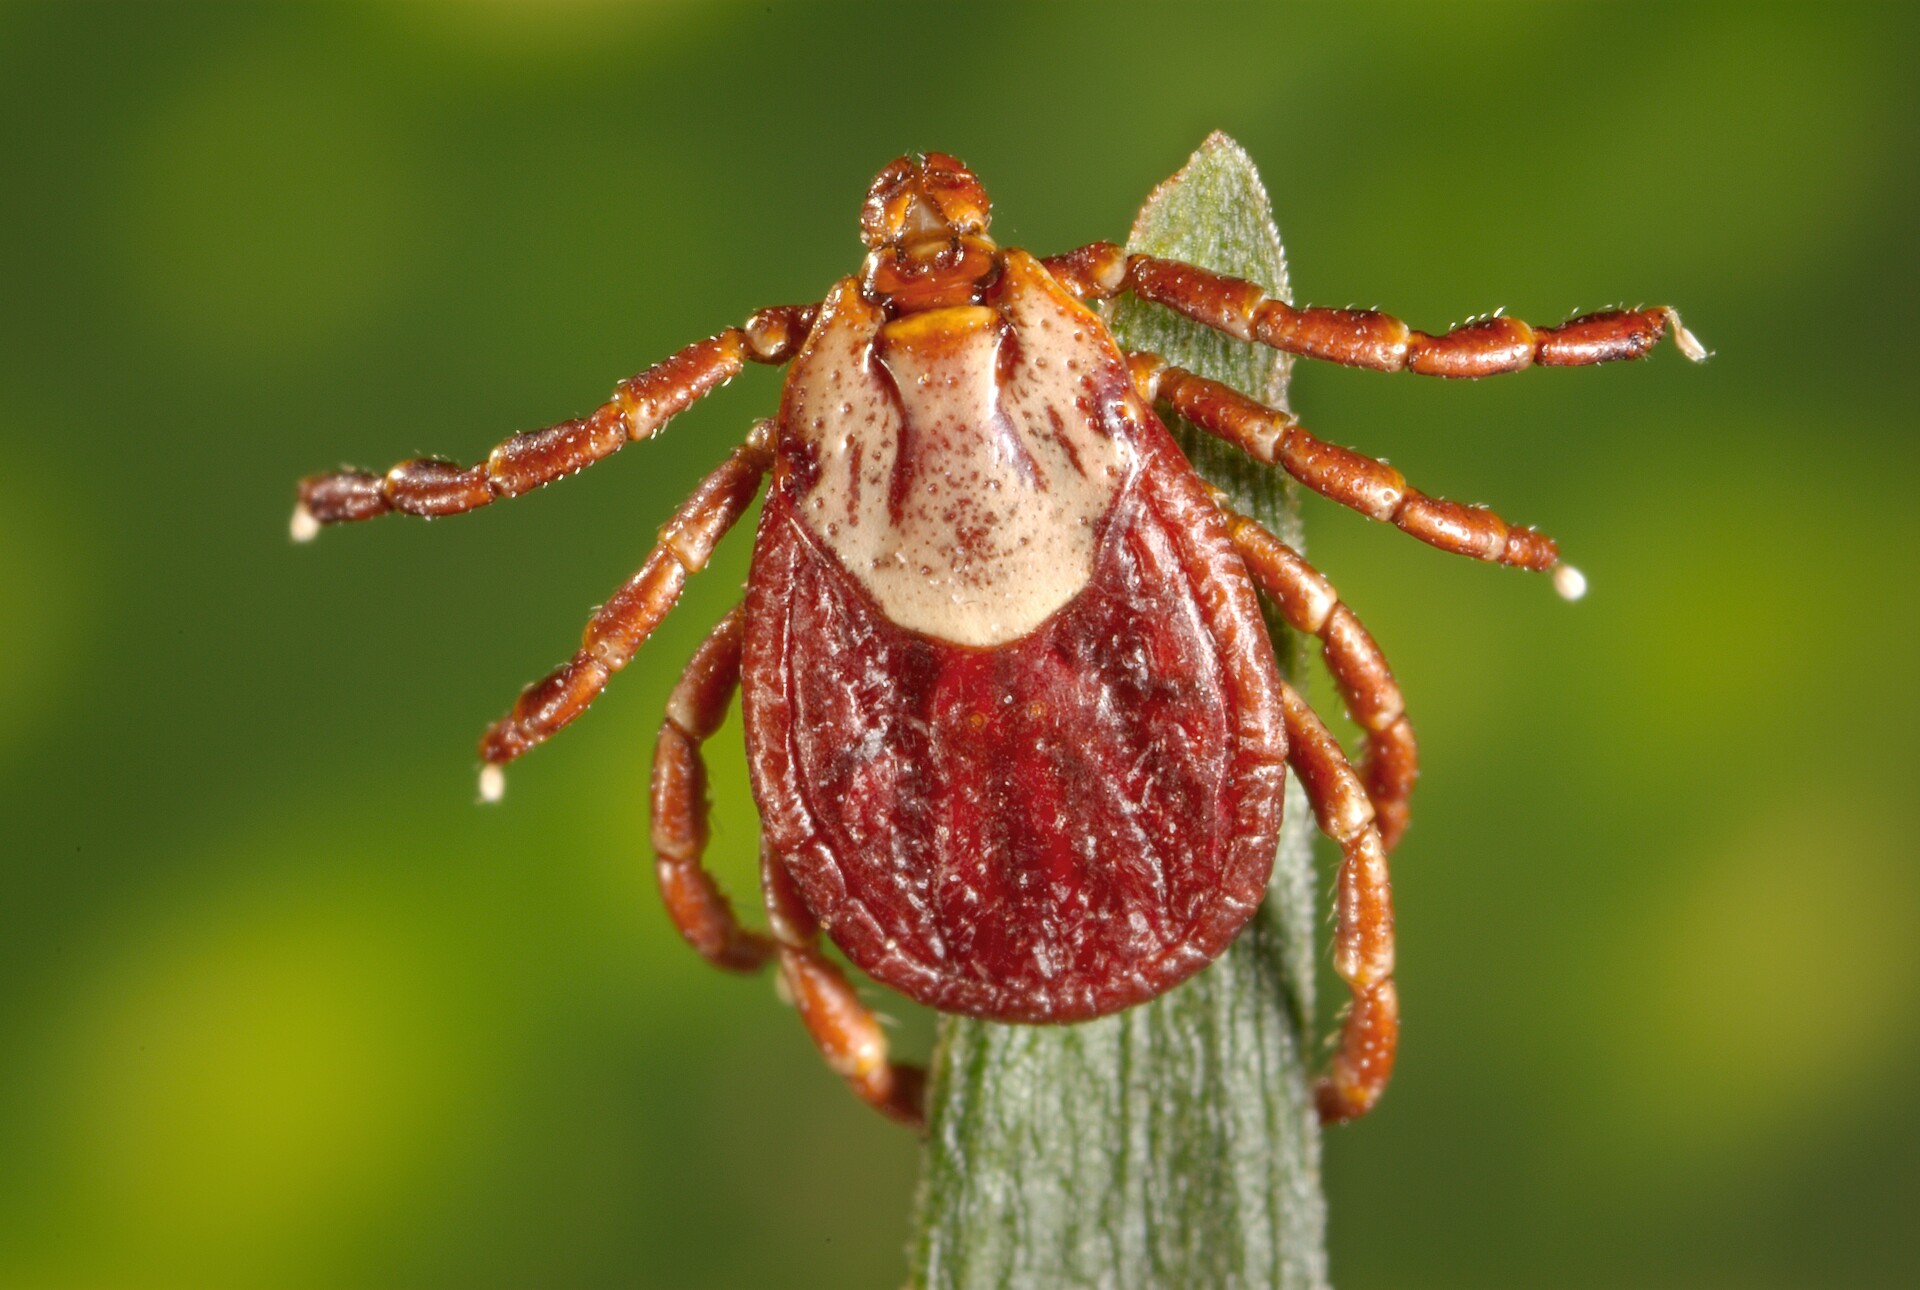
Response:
column 965, row 499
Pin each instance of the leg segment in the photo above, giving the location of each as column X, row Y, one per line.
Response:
column 1363, row 935
column 619, row 627
column 640, row 406
column 1366, row 337
column 847, row 1034
column 1373, row 488
column 680, row 809
column 1390, row 762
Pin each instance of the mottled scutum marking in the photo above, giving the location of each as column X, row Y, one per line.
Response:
column 1065, row 440
column 855, row 450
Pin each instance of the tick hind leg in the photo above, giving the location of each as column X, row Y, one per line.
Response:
column 847, row 1034
column 845, row 1030
column 849, row 1037
column 1363, row 904
column 1363, row 812
column 1390, row 762
column 620, row 626
column 680, row 811
column 1371, row 487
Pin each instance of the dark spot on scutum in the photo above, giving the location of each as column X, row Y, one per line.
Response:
column 1008, row 355
column 1008, row 444
column 1061, row 437
column 903, row 447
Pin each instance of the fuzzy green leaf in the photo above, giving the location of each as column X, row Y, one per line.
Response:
column 1174, row 1144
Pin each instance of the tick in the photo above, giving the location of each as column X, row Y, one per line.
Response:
column 1015, row 728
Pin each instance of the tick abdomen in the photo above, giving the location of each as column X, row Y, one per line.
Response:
column 1049, row 829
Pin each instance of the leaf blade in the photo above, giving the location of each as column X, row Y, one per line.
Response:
column 1176, row 1143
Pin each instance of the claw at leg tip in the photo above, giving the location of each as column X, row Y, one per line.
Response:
column 493, row 783
column 303, row 527
column 1689, row 343
column 1569, row 582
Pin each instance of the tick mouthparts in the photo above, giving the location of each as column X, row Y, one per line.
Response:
column 924, row 221
column 303, row 527
column 493, row 783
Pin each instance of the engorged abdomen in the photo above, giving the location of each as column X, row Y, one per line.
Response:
column 1046, row 830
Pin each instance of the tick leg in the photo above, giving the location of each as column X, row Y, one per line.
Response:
column 640, row 406
column 841, row 1027
column 849, row 1037
column 620, row 626
column 1366, row 337
column 1363, row 935
column 1371, row 487
column 680, row 809
column 1391, row 761
column 847, row 1034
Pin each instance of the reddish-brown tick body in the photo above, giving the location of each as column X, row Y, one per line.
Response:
column 1047, row 828
column 1015, row 728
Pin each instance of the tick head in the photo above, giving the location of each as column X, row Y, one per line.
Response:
column 925, row 197
column 925, row 226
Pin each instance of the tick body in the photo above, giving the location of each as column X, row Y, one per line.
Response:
column 1016, row 733
column 1003, row 726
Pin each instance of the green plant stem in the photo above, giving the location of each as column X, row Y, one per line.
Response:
column 1173, row 1145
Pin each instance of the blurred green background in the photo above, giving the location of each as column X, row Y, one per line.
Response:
column 280, row 1006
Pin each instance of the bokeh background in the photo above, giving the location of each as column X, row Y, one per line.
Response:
column 280, row 1006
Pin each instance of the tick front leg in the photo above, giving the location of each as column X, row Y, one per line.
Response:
column 620, row 626
column 1367, row 337
column 640, row 406
column 1363, row 905
column 845, row 1031
column 1352, row 479
column 680, row 808
column 1391, row 760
